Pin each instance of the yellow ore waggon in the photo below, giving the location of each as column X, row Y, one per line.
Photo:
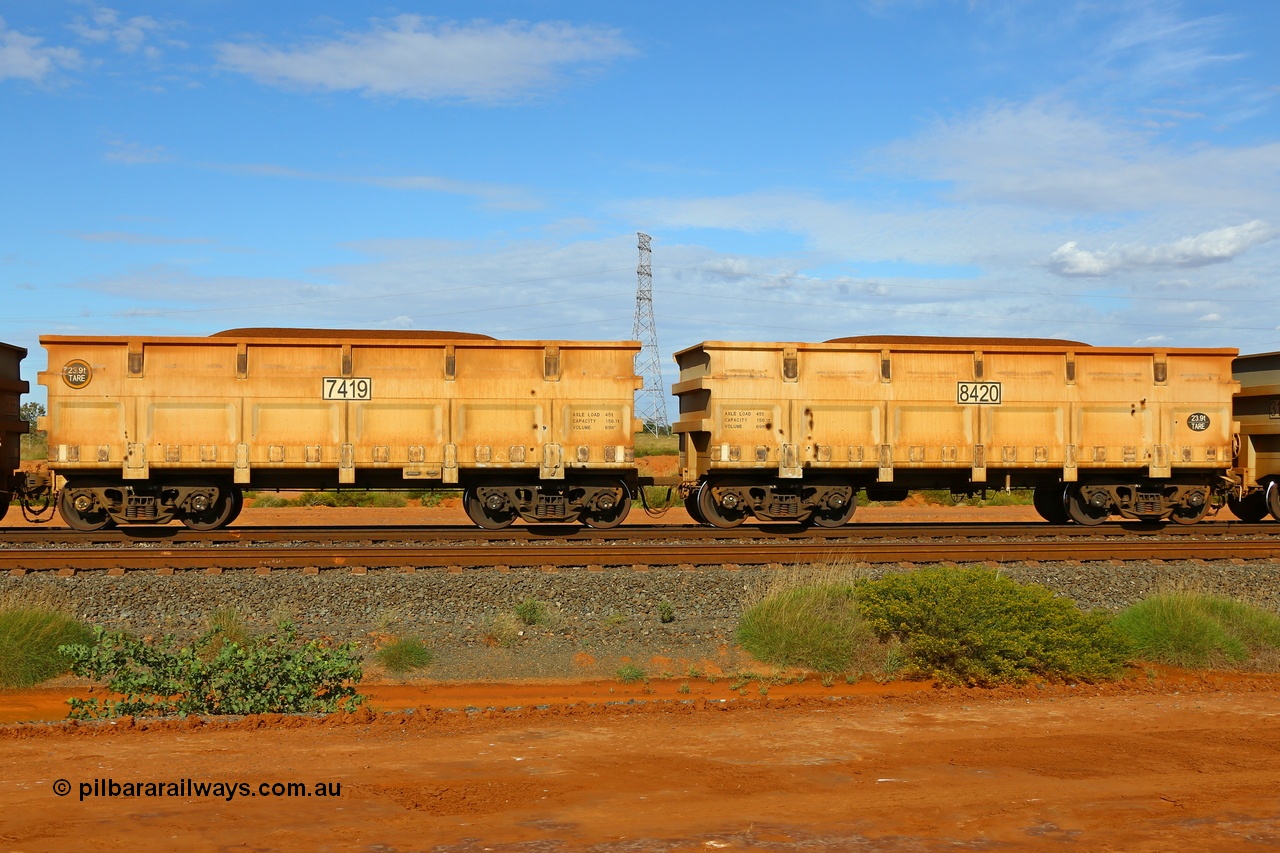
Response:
column 147, row 430
column 792, row 431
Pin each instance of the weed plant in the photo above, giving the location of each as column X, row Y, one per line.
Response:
column 277, row 672
column 505, row 630
column 630, row 673
column 532, row 612
column 30, row 639
column 666, row 612
column 404, row 655
column 230, row 627
column 1190, row 629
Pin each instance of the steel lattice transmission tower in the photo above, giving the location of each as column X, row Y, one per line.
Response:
column 651, row 400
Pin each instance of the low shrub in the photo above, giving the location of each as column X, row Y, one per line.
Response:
column 978, row 627
column 30, row 642
column 629, row 673
column 532, row 612
column 277, row 672
column 818, row 626
column 404, row 655
column 505, row 629
column 1195, row 630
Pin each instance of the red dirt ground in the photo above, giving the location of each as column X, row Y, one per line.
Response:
column 1178, row 763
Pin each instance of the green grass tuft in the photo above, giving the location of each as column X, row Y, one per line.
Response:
column 817, row 626
column 404, row 655
column 532, row 612
column 629, row 673
column 648, row 444
column 29, row 641
column 1194, row 630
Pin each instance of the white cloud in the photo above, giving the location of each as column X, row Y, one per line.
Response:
column 22, row 57
column 1052, row 155
column 1211, row 247
column 134, row 239
column 106, row 25
column 414, row 57
column 498, row 196
column 134, row 153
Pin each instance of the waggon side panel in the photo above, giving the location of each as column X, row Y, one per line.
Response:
column 423, row 407
column 896, row 405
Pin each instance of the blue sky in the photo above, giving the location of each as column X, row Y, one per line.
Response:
column 1101, row 171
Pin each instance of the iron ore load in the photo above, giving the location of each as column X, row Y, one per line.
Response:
column 147, row 430
column 12, row 426
column 792, row 431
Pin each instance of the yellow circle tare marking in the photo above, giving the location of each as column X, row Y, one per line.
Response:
column 77, row 373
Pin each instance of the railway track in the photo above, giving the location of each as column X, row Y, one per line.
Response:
column 460, row 548
column 432, row 534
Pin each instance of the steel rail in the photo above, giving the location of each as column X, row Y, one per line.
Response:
column 557, row 555
column 371, row 534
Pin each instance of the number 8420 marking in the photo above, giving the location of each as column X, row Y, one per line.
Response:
column 978, row 393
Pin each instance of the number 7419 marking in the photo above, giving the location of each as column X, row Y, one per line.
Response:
column 347, row 388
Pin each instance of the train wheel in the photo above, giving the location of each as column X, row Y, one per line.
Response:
column 237, row 497
column 691, row 507
column 80, row 511
column 484, row 513
column 835, row 517
column 614, row 515
column 1081, row 511
column 1252, row 508
column 1190, row 515
column 218, row 514
column 714, row 514
column 5, row 500
column 1273, row 499
column 1050, row 503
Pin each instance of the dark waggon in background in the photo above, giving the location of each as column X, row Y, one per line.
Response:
column 1257, row 412
column 12, row 426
